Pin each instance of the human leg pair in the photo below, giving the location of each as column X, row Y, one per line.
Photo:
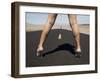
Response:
column 49, row 25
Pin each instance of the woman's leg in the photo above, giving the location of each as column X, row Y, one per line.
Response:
column 46, row 29
column 75, row 30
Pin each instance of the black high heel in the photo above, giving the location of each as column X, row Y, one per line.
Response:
column 39, row 52
column 78, row 54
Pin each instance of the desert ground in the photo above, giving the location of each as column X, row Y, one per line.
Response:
column 84, row 28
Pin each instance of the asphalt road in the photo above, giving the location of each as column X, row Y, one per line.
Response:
column 57, row 52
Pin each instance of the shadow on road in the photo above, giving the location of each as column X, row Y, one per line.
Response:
column 66, row 46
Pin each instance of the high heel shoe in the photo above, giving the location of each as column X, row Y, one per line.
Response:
column 78, row 54
column 39, row 52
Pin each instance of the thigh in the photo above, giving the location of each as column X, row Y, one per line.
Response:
column 72, row 19
column 51, row 18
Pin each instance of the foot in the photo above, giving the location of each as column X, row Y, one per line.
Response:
column 78, row 53
column 39, row 51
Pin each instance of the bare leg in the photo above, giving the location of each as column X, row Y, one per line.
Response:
column 75, row 29
column 46, row 29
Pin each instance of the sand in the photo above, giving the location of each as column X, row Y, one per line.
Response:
column 32, row 27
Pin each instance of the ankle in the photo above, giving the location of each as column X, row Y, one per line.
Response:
column 39, row 48
column 78, row 50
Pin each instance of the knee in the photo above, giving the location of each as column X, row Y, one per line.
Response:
column 73, row 23
column 76, row 34
column 46, row 29
column 50, row 23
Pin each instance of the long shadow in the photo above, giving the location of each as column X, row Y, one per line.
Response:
column 66, row 46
